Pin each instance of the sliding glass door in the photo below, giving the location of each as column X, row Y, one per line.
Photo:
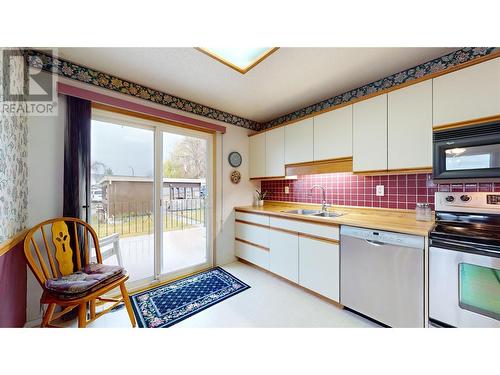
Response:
column 184, row 202
column 151, row 196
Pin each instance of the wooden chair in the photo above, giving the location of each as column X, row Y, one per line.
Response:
column 62, row 265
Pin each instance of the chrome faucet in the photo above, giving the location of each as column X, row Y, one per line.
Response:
column 324, row 205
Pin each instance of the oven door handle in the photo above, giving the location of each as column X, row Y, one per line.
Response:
column 467, row 247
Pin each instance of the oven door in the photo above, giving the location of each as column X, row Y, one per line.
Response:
column 467, row 153
column 464, row 288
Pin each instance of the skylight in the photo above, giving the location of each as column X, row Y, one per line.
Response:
column 240, row 59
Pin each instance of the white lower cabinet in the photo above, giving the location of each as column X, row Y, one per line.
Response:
column 284, row 254
column 319, row 266
column 253, row 254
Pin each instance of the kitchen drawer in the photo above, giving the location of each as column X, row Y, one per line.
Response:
column 252, row 254
column 320, row 230
column 252, row 218
column 252, row 233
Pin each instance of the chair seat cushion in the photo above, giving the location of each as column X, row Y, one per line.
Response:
column 83, row 282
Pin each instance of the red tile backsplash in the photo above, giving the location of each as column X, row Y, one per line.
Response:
column 401, row 191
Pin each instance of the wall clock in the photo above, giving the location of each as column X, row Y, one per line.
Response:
column 234, row 159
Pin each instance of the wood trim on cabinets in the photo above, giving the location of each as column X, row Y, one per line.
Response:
column 326, row 299
column 267, row 178
column 395, row 171
column 475, row 61
column 252, row 244
column 284, row 230
column 318, row 238
column 249, row 223
column 220, row 59
column 320, row 166
column 251, row 212
column 462, row 124
column 306, row 235
column 12, row 242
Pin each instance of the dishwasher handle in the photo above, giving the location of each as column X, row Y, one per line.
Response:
column 375, row 243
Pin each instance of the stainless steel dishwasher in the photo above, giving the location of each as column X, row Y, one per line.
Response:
column 382, row 275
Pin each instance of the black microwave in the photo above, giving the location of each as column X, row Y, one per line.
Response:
column 468, row 152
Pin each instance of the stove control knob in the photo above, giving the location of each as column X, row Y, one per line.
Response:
column 465, row 198
column 450, row 198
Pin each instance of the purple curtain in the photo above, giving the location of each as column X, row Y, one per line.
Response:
column 77, row 159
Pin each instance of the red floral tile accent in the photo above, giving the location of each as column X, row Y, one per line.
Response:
column 401, row 191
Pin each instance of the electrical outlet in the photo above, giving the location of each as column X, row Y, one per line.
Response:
column 380, row 191
column 287, row 190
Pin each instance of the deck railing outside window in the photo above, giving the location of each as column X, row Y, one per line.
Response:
column 136, row 217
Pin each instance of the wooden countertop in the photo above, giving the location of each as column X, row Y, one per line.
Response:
column 402, row 221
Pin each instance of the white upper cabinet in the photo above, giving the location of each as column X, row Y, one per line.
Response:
column 410, row 127
column 467, row 94
column 370, row 134
column 258, row 155
column 275, row 152
column 299, row 142
column 333, row 134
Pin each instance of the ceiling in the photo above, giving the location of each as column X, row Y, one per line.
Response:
column 288, row 80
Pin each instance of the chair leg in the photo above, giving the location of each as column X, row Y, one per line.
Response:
column 128, row 305
column 92, row 309
column 82, row 315
column 47, row 317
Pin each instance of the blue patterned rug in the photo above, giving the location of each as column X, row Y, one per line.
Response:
column 168, row 304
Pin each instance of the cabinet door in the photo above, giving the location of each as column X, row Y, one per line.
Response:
column 409, row 127
column 319, row 267
column 284, row 254
column 275, row 152
column 467, row 94
column 333, row 134
column 370, row 134
column 258, row 155
column 299, row 142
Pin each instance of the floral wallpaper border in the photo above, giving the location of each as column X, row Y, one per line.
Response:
column 441, row 63
column 94, row 77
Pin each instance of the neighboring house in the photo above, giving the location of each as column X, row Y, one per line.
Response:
column 124, row 194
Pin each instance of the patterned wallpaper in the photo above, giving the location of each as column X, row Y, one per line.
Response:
column 444, row 62
column 91, row 76
column 13, row 167
column 401, row 191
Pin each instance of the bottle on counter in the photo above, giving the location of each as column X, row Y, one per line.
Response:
column 423, row 212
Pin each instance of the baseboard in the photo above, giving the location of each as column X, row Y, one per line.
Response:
column 33, row 323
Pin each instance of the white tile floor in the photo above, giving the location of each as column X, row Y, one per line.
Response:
column 270, row 302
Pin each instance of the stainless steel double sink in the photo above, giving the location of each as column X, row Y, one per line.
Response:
column 314, row 213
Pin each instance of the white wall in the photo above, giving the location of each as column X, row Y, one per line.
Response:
column 45, row 182
column 45, row 185
column 231, row 195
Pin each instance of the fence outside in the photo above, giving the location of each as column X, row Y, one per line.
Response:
column 136, row 217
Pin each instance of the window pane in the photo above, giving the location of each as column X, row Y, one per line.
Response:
column 478, row 157
column 480, row 289
column 122, row 196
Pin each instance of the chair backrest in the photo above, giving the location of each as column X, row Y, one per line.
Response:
column 65, row 233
